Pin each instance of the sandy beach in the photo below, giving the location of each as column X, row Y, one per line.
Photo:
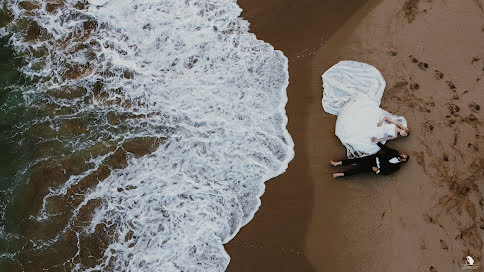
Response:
column 428, row 216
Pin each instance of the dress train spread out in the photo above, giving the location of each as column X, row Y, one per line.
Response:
column 353, row 91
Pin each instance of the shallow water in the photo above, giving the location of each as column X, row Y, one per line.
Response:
column 139, row 133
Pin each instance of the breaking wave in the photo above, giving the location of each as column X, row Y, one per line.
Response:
column 171, row 115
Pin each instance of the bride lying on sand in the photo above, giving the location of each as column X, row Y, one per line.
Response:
column 392, row 129
column 353, row 91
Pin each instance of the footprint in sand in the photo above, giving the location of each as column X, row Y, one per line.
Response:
column 449, row 121
column 474, row 107
column 452, row 87
column 454, row 109
column 445, row 157
column 450, row 84
column 460, row 120
column 413, row 59
column 432, row 269
column 423, row 65
column 443, row 244
column 429, row 126
column 438, row 74
column 473, row 147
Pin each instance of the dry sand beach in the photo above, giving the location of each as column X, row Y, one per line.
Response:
column 428, row 216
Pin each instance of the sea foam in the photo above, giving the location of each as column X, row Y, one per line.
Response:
column 200, row 81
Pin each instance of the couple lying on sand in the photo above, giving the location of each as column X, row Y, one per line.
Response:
column 384, row 162
column 353, row 91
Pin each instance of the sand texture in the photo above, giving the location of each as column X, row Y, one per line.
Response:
column 428, row 216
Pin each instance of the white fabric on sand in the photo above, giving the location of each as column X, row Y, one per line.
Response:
column 353, row 91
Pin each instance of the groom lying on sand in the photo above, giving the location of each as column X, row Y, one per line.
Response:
column 385, row 162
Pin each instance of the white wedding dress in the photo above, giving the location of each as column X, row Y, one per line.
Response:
column 353, row 91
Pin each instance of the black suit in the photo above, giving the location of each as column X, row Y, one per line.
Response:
column 365, row 164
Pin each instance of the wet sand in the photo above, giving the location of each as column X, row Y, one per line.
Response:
column 427, row 217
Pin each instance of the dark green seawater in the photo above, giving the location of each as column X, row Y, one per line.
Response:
column 42, row 144
column 11, row 110
column 13, row 158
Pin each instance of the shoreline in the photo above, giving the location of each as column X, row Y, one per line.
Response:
column 426, row 216
column 277, row 241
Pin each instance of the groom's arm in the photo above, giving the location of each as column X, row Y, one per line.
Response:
column 387, row 150
column 389, row 168
column 383, row 147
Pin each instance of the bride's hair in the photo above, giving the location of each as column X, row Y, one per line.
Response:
column 406, row 129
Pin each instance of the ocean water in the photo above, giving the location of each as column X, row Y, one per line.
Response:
column 138, row 134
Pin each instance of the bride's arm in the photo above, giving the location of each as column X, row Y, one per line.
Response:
column 401, row 127
column 391, row 121
column 374, row 139
column 382, row 121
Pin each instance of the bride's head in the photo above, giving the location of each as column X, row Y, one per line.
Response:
column 403, row 132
